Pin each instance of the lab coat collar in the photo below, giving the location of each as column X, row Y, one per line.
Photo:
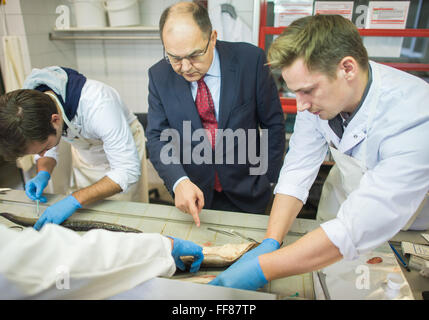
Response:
column 356, row 130
column 365, row 93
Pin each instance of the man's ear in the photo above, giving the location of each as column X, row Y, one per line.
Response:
column 56, row 120
column 348, row 67
column 214, row 37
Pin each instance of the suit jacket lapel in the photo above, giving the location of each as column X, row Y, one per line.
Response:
column 229, row 82
column 186, row 102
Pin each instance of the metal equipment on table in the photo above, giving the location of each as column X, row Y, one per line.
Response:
column 233, row 233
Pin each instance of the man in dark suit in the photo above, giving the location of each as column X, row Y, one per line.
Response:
column 208, row 93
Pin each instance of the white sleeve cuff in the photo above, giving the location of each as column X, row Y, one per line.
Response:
column 178, row 181
column 123, row 180
column 337, row 233
column 51, row 153
column 292, row 190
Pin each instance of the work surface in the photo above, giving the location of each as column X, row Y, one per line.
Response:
column 167, row 220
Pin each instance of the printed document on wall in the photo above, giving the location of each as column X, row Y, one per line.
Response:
column 343, row 8
column 386, row 15
column 285, row 12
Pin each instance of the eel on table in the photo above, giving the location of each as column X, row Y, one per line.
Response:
column 214, row 256
column 76, row 225
column 222, row 256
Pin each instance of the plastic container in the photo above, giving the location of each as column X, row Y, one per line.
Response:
column 90, row 14
column 122, row 12
column 393, row 286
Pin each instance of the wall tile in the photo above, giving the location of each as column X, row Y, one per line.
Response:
column 15, row 24
column 12, row 7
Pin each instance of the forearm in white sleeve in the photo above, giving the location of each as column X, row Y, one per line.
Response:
column 100, row 263
column 307, row 150
column 110, row 125
column 122, row 154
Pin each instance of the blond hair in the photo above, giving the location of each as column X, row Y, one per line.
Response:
column 322, row 41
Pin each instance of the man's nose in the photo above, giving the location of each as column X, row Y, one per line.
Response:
column 301, row 103
column 185, row 65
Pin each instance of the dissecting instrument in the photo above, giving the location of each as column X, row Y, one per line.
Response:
column 232, row 233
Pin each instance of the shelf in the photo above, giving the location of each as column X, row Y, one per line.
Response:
column 368, row 32
column 264, row 31
column 123, row 33
column 111, row 29
column 288, row 105
column 405, row 66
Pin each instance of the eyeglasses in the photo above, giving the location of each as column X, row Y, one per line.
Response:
column 192, row 58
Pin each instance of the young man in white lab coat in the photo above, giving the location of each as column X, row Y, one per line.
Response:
column 58, row 263
column 107, row 141
column 375, row 121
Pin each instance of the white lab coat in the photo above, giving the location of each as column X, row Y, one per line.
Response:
column 58, row 263
column 397, row 162
column 228, row 28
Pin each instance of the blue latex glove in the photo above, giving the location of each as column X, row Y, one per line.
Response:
column 246, row 275
column 266, row 246
column 34, row 188
column 58, row 212
column 187, row 248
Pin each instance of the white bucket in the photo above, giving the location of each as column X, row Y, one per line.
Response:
column 90, row 14
column 122, row 12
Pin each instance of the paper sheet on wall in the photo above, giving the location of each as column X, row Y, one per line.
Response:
column 285, row 12
column 343, row 8
column 386, row 15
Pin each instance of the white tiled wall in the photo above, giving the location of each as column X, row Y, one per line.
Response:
column 12, row 24
column 39, row 19
column 123, row 64
column 32, row 20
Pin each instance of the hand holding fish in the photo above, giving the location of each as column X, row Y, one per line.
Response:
column 182, row 248
column 58, row 212
column 246, row 273
column 266, row 246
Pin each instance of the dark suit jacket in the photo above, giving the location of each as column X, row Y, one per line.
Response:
column 248, row 100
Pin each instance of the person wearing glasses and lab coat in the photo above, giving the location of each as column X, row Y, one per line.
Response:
column 107, row 141
column 58, row 263
column 374, row 119
column 206, row 85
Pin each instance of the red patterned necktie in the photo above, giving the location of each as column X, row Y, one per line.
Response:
column 205, row 107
